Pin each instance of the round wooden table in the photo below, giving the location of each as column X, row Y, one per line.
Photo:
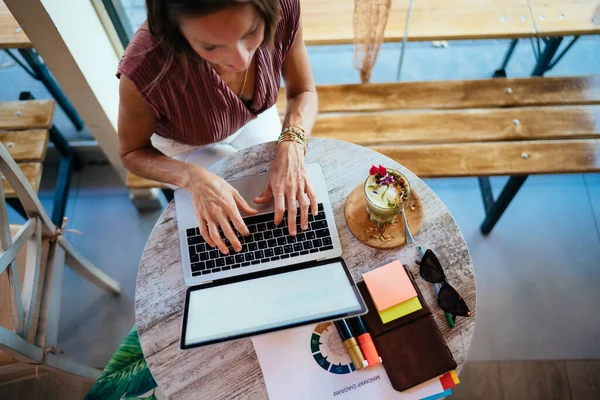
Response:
column 231, row 370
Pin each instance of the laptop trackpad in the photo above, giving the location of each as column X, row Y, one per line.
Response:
column 268, row 301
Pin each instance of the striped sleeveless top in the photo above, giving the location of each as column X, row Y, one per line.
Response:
column 207, row 111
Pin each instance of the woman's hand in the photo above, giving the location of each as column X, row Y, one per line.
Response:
column 288, row 182
column 217, row 203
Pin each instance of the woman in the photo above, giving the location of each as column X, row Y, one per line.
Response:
column 199, row 81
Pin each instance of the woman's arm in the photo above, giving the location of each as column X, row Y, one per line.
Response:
column 300, row 90
column 137, row 123
column 288, row 179
column 216, row 202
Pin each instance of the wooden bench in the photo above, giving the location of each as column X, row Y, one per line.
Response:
column 25, row 130
column 11, row 34
column 330, row 21
column 24, row 127
column 13, row 37
column 514, row 127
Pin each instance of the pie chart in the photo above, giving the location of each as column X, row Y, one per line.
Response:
column 328, row 350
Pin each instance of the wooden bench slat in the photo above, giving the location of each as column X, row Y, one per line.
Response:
column 480, row 125
column 11, row 34
column 30, row 114
column 330, row 21
column 456, row 94
column 26, row 146
column 497, row 158
column 564, row 17
column 33, row 173
column 137, row 182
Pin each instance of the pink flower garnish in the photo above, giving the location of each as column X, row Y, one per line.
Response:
column 374, row 170
column 386, row 180
column 382, row 171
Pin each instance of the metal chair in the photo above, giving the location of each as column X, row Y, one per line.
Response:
column 32, row 262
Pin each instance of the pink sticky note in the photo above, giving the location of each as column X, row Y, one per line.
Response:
column 389, row 285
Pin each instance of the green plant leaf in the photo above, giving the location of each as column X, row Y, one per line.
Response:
column 126, row 374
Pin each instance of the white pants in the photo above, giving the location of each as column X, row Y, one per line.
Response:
column 265, row 128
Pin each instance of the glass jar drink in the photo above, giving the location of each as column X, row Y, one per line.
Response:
column 386, row 195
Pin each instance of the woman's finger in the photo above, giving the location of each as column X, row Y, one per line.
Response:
column 216, row 237
column 278, row 207
column 204, row 230
column 291, row 206
column 303, row 204
column 265, row 196
column 314, row 206
column 230, row 234
column 238, row 222
column 243, row 204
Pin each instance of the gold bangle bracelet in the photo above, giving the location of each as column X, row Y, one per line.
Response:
column 295, row 131
column 295, row 141
column 289, row 135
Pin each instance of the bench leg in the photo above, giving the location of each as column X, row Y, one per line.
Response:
column 547, row 60
column 61, row 193
column 495, row 209
column 43, row 75
column 169, row 194
column 68, row 162
column 501, row 72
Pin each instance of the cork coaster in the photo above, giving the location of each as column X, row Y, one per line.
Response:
column 358, row 220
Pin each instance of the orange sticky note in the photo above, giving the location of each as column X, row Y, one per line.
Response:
column 389, row 285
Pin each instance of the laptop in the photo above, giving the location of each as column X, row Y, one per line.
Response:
column 268, row 246
column 276, row 282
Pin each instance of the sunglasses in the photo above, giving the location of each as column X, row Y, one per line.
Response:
column 448, row 298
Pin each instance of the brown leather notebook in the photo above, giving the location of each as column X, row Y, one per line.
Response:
column 412, row 348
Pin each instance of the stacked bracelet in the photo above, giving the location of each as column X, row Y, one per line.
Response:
column 293, row 133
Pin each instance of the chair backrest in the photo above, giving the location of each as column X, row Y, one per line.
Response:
column 27, row 240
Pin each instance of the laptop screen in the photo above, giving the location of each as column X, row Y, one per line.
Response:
column 270, row 302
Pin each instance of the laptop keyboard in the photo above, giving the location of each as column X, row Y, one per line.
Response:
column 266, row 242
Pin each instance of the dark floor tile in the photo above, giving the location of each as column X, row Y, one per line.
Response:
column 584, row 379
column 50, row 386
column 479, row 380
column 533, row 380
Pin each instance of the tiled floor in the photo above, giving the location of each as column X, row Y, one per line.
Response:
column 508, row 380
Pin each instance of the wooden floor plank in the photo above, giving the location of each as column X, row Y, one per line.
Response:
column 534, row 380
column 497, row 158
column 29, row 114
column 50, row 386
column 479, row 380
column 26, row 146
column 479, row 125
column 584, row 379
column 458, row 94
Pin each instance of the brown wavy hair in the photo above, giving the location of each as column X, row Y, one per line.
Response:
column 164, row 17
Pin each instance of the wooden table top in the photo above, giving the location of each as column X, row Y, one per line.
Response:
column 11, row 34
column 231, row 369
